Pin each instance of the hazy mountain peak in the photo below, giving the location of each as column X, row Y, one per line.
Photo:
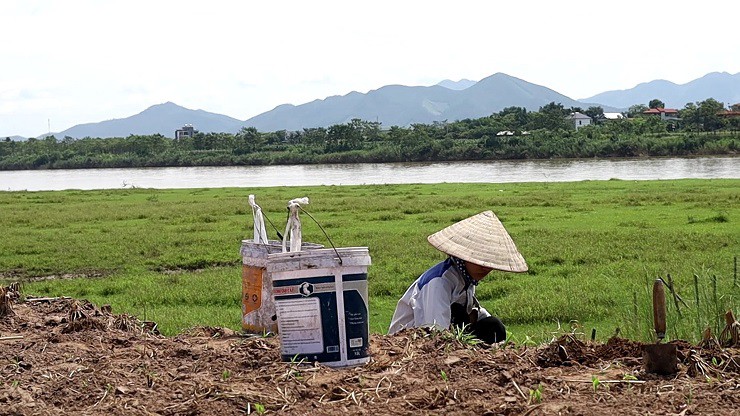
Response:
column 456, row 85
column 162, row 119
column 661, row 82
column 500, row 77
column 167, row 105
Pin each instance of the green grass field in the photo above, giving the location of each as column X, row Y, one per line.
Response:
column 593, row 248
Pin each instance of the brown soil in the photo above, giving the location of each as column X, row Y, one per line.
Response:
column 75, row 358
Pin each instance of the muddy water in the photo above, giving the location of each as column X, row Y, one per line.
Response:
column 375, row 173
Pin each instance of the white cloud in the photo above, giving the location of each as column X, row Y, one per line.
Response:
column 83, row 61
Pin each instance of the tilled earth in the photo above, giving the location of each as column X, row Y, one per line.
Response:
column 69, row 357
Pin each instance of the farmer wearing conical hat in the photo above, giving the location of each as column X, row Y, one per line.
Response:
column 444, row 295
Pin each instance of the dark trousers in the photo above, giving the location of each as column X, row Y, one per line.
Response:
column 489, row 330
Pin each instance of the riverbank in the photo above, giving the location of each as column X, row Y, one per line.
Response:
column 364, row 142
column 593, row 247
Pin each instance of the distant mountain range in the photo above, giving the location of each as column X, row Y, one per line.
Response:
column 721, row 86
column 399, row 105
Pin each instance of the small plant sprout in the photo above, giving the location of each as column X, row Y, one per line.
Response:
column 528, row 341
column 457, row 333
column 461, row 334
column 295, row 360
column 629, row 377
column 595, row 382
column 258, row 408
column 443, row 374
column 535, row 395
column 225, row 375
column 293, row 372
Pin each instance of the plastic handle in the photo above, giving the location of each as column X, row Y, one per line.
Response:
column 659, row 308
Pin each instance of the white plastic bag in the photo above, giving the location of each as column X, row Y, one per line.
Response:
column 293, row 227
column 260, row 233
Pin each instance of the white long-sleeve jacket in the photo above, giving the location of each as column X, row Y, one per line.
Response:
column 428, row 300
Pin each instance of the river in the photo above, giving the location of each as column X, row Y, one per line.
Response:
column 557, row 170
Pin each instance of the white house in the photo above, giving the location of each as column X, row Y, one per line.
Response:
column 579, row 120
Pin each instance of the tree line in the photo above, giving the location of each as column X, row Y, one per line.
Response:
column 513, row 133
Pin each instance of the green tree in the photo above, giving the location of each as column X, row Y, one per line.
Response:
column 314, row 136
column 248, row 140
column 656, row 103
column 636, row 110
column 147, row 145
column 689, row 115
column 596, row 113
column 703, row 116
column 549, row 117
column 514, row 118
column 276, row 137
column 708, row 112
column 336, row 138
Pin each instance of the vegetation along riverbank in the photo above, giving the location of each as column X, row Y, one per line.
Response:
column 594, row 248
column 513, row 133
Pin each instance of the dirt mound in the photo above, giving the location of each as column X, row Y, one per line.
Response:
column 69, row 357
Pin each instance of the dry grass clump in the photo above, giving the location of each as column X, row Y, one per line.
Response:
column 730, row 336
column 8, row 295
column 5, row 308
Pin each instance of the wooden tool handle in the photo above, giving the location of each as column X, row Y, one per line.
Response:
column 659, row 309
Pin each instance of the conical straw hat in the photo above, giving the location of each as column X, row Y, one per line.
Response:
column 480, row 239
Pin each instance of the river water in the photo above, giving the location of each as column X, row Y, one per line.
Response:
column 374, row 173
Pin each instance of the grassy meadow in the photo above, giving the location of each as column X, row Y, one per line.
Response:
column 593, row 248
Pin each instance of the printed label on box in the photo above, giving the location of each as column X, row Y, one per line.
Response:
column 299, row 321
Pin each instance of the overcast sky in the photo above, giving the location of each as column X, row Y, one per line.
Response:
column 70, row 62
